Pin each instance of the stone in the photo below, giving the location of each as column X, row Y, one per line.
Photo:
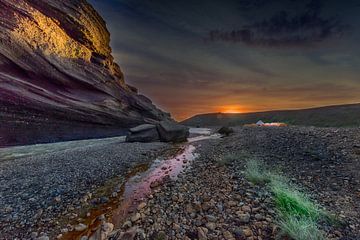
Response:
column 246, row 208
column 228, row 235
column 44, row 237
column 247, row 232
column 155, row 184
column 202, row 233
column 205, row 206
column 80, row 227
column 259, row 216
column 232, row 203
column 107, row 227
column 189, row 209
column 210, row 225
column 211, row 218
column 161, row 235
column 142, row 128
column 127, row 224
column 33, row 235
column 171, row 131
column 135, row 217
column 226, row 131
column 129, row 235
column 143, row 133
column 141, row 206
column 176, row 227
column 244, row 217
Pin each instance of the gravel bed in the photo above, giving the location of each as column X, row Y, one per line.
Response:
column 36, row 190
column 214, row 201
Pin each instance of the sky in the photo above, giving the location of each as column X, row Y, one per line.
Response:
column 194, row 57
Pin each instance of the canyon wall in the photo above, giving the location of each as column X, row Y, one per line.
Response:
column 58, row 79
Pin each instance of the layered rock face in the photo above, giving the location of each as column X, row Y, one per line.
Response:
column 58, row 79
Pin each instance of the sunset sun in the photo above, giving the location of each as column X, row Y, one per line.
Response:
column 231, row 109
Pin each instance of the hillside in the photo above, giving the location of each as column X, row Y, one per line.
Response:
column 58, row 79
column 329, row 116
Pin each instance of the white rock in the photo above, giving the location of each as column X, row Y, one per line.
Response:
column 80, row 227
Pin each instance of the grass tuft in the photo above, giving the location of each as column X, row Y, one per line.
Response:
column 292, row 202
column 299, row 228
column 298, row 215
column 255, row 173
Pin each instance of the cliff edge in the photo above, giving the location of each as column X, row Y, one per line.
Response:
column 58, row 79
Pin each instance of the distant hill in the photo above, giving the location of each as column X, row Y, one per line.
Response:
column 329, row 116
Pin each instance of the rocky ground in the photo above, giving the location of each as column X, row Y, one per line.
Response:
column 211, row 199
column 42, row 191
column 214, row 201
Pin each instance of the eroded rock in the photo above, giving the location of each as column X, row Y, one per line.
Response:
column 171, row 131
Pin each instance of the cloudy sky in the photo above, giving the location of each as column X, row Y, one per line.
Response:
column 202, row 56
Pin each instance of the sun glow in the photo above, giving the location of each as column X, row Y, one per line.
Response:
column 231, row 109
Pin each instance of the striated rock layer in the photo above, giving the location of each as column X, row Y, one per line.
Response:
column 58, row 79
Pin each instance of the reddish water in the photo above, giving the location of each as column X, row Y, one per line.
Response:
column 139, row 187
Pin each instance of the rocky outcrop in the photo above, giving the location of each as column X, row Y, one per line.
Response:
column 58, row 79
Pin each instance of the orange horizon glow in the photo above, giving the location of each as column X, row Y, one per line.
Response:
column 232, row 109
column 183, row 113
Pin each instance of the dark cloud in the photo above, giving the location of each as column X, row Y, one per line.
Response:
column 251, row 4
column 286, row 29
column 157, row 46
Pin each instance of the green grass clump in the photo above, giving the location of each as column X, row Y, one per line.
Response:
column 255, row 173
column 292, row 202
column 299, row 228
column 298, row 215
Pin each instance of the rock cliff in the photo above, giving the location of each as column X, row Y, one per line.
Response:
column 58, row 79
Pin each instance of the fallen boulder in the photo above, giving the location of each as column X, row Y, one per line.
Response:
column 143, row 133
column 170, row 131
column 226, row 131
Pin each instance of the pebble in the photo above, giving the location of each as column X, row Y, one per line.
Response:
column 80, row 227
column 135, row 217
column 244, row 218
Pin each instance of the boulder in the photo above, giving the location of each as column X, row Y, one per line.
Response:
column 143, row 133
column 225, row 131
column 142, row 128
column 170, row 131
